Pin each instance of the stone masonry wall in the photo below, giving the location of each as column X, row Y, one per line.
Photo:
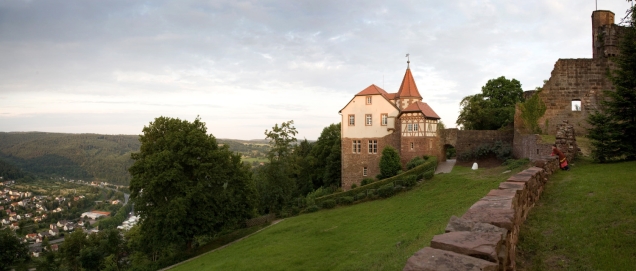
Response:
column 573, row 79
column 486, row 236
column 530, row 146
column 467, row 140
column 353, row 163
column 421, row 146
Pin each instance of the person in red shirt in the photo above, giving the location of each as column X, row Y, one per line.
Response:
column 563, row 161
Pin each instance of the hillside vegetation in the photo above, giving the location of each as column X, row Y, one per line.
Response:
column 82, row 156
column 77, row 156
column 376, row 235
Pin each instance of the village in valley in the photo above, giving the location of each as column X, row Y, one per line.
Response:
column 42, row 214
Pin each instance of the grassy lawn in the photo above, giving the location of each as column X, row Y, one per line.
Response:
column 585, row 220
column 376, row 235
column 252, row 159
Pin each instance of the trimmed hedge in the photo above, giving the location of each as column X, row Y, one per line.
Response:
column 328, row 204
column 426, row 170
column 345, row 200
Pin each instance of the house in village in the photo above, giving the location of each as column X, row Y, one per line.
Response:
column 375, row 119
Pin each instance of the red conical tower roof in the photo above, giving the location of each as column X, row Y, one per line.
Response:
column 408, row 87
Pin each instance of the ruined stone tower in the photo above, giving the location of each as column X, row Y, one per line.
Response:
column 576, row 86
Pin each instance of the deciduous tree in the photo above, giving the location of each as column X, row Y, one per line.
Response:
column 493, row 108
column 12, row 250
column 184, row 184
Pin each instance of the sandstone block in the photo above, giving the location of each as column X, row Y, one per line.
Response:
column 476, row 244
column 502, row 218
column 460, row 224
column 430, row 259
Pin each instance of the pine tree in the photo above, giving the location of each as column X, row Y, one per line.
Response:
column 614, row 126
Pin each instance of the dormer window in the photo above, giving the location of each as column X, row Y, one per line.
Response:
column 368, row 99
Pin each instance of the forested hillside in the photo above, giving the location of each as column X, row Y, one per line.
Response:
column 83, row 156
column 79, row 156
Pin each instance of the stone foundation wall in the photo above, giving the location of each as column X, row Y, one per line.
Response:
column 486, row 236
column 421, row 146
column 353, row 163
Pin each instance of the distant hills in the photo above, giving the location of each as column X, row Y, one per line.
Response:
column 83, row 156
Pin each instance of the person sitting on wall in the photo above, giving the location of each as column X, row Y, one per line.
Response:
column 563, row 161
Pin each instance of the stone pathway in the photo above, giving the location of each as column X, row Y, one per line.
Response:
column 445, row 167
column 170, row 267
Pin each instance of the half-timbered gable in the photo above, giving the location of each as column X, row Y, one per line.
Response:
column 374, row 119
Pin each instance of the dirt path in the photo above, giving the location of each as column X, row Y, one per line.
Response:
column 445, row 167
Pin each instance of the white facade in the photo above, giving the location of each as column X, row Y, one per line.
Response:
column 360, row 109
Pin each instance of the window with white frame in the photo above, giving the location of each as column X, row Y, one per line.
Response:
column 368, row 99
column 373, row 146
column 416, row 127
column 364, row 171
column 409, row 127
column 352, row 120
column 356, row 146
column 368, row 119
column 384, row 119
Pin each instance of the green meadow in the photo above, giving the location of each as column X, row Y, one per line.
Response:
column 374, row 235
column 585, row 220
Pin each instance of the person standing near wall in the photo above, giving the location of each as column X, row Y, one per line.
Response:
column 563, row 161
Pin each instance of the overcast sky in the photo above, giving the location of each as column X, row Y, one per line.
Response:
column 78, row 66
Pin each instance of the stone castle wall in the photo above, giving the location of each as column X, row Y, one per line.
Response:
column 486, row 236
column 573, row 79
column 468, row 140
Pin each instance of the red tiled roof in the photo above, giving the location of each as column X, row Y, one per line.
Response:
column 408, row 87
column 372, row 90
column 423, row 108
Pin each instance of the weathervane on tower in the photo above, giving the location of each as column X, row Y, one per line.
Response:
column 408, row 61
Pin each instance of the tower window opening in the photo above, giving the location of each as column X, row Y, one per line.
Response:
column 576, row 105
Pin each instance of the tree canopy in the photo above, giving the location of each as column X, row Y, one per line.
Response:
column 493, row 108
column 613, row 131
column 184, row 185
column 12, row 250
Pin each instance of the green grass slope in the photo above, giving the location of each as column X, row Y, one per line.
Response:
column 376, row 235
column 585, row 220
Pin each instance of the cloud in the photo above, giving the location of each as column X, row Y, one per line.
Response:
column 275, row 58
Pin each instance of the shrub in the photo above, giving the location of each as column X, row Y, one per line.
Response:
column 410, row 181
column 386, row 191
column 346, row 200
column 361, row 196
column 425, row 157
column 499, row 149
column 398, row 188
column 353, row 186
column 370, row 189
column 414, row 162
column 429, row 174
column 329, row 204
column 312, row 208
column 420, row 176
column 390, row 162
column 366, row 181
